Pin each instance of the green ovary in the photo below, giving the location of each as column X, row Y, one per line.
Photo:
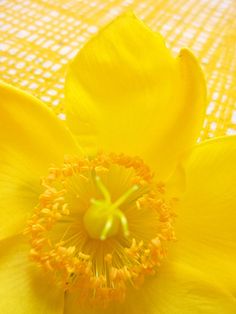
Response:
column 104, row 219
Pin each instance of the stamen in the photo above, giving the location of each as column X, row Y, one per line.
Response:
column 126, row 238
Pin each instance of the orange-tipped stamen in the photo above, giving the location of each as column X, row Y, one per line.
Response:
column 135, row 226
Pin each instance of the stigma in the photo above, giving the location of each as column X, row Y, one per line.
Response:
column 103, row 219
column 101, row 227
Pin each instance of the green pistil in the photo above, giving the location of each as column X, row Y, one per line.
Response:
column 103, row 218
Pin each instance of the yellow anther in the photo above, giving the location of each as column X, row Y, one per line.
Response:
column 68, row 224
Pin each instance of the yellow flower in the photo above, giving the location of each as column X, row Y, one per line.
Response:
column 98, row 225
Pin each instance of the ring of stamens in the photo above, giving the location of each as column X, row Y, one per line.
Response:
column 73, row 266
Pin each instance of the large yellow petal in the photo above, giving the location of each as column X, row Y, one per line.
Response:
column 177, row 289
column 24, row 289
column 31, row 139
column 200, row 275
column 206, row 225
column 126, row 93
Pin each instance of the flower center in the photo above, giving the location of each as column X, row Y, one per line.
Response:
column 104, row 218
column 100, row 227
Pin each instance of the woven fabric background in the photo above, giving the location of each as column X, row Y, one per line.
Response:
column 39, row 37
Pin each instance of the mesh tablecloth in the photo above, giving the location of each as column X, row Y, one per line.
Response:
column 39, row 38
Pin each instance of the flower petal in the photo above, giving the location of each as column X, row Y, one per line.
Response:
column 177, row 289
column 206, row 229
column 23, row 287
column 31, row 139
column 126, row 93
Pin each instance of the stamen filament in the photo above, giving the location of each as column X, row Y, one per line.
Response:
column 86, row 213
